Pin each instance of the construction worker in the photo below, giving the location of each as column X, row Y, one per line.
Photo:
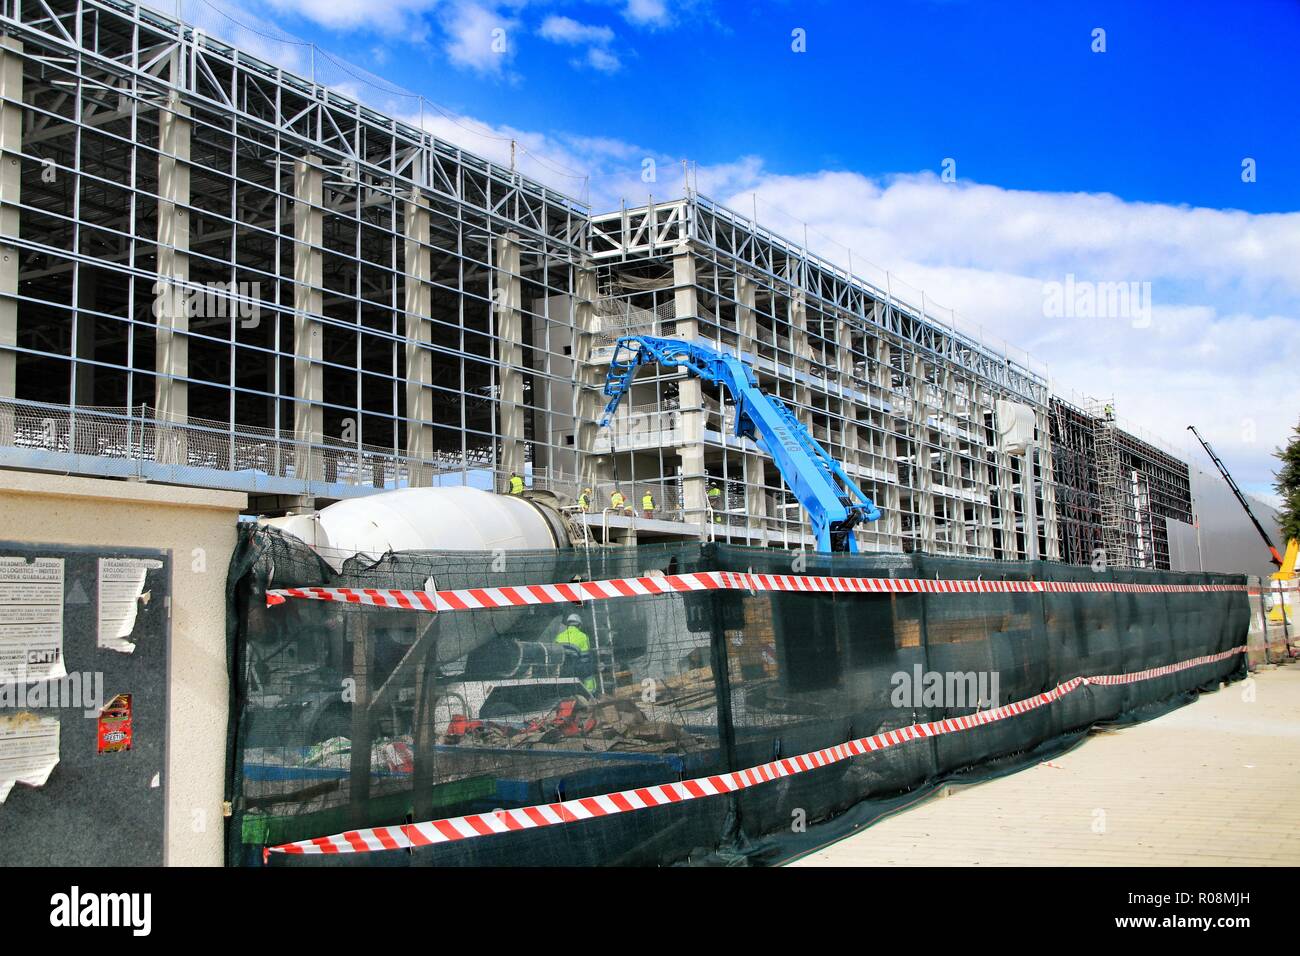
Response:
column 516, row 483
column 584, row 500
column 574, row 636
column 616, row 500
column 715, row 501
column 1110, row 413
column 648, row 505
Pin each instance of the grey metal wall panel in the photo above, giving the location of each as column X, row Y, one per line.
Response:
column 1228, row 541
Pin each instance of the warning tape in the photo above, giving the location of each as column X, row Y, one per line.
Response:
column 474, row 599
column 451, row 829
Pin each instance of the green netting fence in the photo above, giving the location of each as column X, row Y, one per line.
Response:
column 347, row 717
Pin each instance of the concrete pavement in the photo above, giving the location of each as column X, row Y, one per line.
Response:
column 1211, row 784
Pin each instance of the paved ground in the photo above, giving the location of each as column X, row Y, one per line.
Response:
column 1212, row 784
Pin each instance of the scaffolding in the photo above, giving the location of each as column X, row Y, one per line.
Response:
column 1078, row 500
column 1115, row 491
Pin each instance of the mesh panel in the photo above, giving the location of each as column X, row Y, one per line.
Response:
column 351, row 716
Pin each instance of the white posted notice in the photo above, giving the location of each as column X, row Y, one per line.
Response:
column 29, row 749
column 121, row 586
column 31, row 619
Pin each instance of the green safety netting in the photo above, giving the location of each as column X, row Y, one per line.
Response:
column 346, row 717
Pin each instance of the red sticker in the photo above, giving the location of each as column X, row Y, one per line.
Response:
column 115, row 725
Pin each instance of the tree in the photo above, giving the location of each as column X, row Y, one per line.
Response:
column 1288, row 486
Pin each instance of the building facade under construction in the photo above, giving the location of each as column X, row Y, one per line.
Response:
column 217, row 272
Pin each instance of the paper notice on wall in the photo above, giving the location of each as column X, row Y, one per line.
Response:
column 29, row 749
column 31, row 619
column 121, row 590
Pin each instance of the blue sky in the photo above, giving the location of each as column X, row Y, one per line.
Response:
column 1013, row 91
column 1070, row 165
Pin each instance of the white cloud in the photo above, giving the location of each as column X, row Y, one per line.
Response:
column 565, row 30
column 478, row 37
column 564, row 163
column 602, row 60
column 389, row 16
column 647, row 12
column 596, row 38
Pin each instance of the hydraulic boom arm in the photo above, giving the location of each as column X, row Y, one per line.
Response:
column 834, row 503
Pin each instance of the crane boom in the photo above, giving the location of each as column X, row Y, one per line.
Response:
column 834, row 503
column 1241, row 498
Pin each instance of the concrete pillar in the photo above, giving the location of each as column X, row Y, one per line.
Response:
column 690, row 392
column 922, row 495
column 846, row 360
column 172, row 356
column 507, row 306
column 1047, row 466
column 11, row 136
column 418, row 307
column 846, row 357
column 746, row 317
column 308, row 306
column 801, row 364
column 747, row 326
column 891, row 522
column 590, row 402
column 981, row 401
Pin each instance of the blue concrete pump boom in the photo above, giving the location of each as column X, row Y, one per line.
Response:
column 835, row 505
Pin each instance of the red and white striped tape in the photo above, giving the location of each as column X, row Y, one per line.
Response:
column 447, row 830
column 474, row 599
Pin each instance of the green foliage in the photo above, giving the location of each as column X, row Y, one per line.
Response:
column 1288, row 486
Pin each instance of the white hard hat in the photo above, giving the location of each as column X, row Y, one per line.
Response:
column 573, row 619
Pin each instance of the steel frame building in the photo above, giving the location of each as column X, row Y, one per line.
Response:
column 905, row 404
column 216, row 272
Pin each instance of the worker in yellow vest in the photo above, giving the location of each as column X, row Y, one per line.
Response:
column 616, row 500
column 648, row 505
column 584, row 500
column 715, row 501
column 516, row 483
column 573, row 636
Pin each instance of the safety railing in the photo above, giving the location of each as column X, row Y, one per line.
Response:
column 616, row 318
column 140, row 442
column 641, row 427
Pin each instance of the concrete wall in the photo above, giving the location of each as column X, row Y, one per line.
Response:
column 198, row 526
column 1228, row 541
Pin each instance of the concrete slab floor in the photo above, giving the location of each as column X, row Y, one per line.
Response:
column 1212, row 783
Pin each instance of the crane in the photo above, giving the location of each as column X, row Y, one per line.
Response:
column 834, row 503
column 1241, row 498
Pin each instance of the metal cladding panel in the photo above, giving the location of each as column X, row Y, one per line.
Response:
column 1228, row 541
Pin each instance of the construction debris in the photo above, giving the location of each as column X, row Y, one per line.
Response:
column 616, row 724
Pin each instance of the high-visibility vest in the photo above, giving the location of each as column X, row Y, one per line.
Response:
column 516, row 485
column 616, row 500
column 584, row 502
column 647, row 502
column 574, row 636
column 580, row 642
column 715, row 493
